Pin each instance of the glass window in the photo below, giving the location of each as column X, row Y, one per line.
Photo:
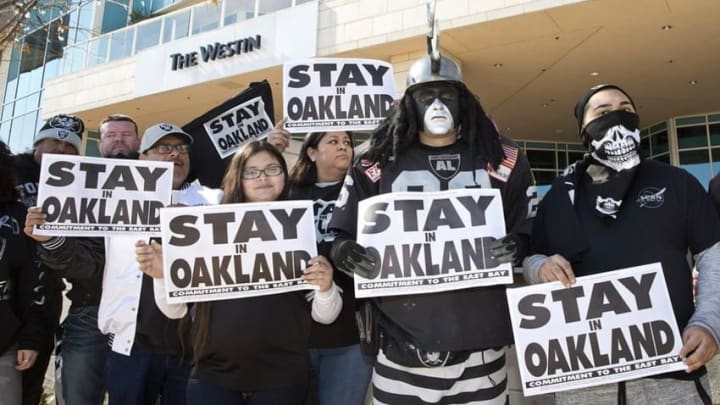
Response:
column 715, row 152
column 562, row 159
column 205, row 17
column 302, row 1
column 30, row 82
column 268, row 6
column 645, row 147
column 83, row 30
column 52, row 69
column 97, row 51
column 14, row 66
column 540, row 145
column 714, row 134
column 158, row 5
column 659, row 143
column 715, row 156
column 697, row 163
column 692, row 137
column 33, row 50
column 541, row 159
column 658, row 127
column 148, row 35
column 27, row 104
column 121, row 43
column 73, row 59
column 91, row 148
column 238, row 10
column 690, row 120
column 574, row 157
column 5, row 132
column 662, row 158
column 176, row 26
column 10, row 89
column 115, row 15
column 21, row 127
column 7, row 111
column 543, row 177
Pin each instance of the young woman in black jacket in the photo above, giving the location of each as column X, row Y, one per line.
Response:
column 341, row 371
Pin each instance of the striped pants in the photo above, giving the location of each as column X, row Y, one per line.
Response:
column 481, row 379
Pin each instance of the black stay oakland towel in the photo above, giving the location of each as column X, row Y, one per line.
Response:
column 221, row 131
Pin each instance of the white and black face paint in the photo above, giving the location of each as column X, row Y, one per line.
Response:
column 614, row 140
column 438, row 120
column 437, row 106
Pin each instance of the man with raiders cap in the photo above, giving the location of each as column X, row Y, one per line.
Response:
column 438, row 137
column 61, row 134
column 615, row 209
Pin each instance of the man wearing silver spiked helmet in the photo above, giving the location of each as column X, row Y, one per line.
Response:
column 437, row 137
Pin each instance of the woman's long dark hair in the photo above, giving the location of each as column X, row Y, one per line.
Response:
column 8, row 192
column 400, row 129
column 233, row 193
column 304, row 171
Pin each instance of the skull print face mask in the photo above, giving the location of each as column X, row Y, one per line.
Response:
column 614, row 140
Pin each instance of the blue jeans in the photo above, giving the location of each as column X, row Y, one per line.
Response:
column 203, row 393
column 342, row 374
column 83, row 358
column 145, row 375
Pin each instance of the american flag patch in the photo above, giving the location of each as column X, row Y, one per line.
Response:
column 505, row 168
column 511, row 154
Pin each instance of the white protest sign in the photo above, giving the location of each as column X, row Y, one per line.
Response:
column 430, row 242
column 238, row 125
column 236, row 250
column 606, row 328
column 336, row 94
column 86, row 196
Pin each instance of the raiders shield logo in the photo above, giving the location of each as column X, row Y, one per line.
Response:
column 165, row 127
column 445, row 166
column 63, row 134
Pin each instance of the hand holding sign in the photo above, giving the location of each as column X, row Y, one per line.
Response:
column 319, row 273
column 279, row 137
column 352, row 258
column 699, row 347
column 149, row 257
column 557, row 268
column 35, row 216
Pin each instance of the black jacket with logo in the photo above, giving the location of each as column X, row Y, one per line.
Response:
column 468, row 319
column 22, row 299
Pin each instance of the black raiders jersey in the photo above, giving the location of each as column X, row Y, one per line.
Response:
column 425, row 168
column 469, row 319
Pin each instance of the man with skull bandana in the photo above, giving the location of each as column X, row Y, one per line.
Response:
column 443, row 347
column 615, row 210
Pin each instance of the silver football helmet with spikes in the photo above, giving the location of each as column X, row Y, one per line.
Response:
column 433, row 67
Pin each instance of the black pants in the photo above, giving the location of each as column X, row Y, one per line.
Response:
column 33, row 378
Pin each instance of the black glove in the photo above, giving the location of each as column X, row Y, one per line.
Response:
column 350, row 257
column 510, row 249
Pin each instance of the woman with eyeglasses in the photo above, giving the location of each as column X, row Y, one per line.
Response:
column 341, row 371
column 251, row 351
column 22, row 312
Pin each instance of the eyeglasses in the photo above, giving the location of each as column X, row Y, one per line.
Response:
column 270, row 171
column 166, row 149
